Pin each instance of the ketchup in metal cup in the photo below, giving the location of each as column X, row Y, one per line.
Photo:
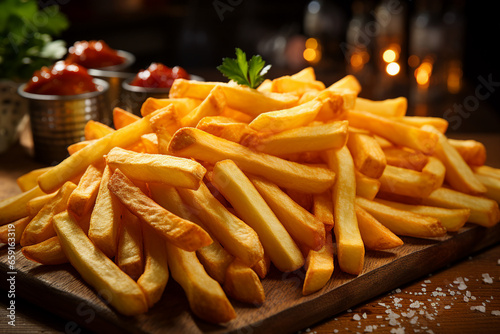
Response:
column 61, row 79
column 93, row 54
column 158, row 75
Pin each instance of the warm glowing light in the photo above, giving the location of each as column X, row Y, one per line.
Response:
column 423, row 73
column 357, row 60
column 311, row 43
column 389, row 56
column 454, row 79
column 413, row 61
column 392, row 68
column 309, row 54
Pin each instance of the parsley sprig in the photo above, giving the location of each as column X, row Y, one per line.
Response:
column 250, row 73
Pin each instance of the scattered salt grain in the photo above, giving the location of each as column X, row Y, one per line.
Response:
column 462, row 286
column 414, row 320
column 416, row 304
column 447, row 307
column 364, row 316
column 428, row 280
column 379, row 316
column 495, row 312
column 335, row 330
column 356, row 317
column 479, row 308
column 368, row 329
column 487, row 278
column 398, row 290
column 399, row 330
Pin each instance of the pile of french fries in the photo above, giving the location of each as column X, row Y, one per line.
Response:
column 218, row 181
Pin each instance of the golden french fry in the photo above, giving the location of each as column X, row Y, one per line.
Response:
column 82, row 199
column 451, row 219
column 97, row 269
column 303, row 139
column 458, row 174
column 46, row 252
column 262, row 267
column 28, row 181
column 408, row 182
column 319, row 267
column 206, row 298
column 197, row 144
column 366, row 186
column 213, row 105
column 239, row 239
column 122, row 118
column 34, row 205
column 179, row 172
column 397, row 133
column 155, row 276
column 405, row 158
column 286, row 119
column 95, row 130
column 150, row 142
column 402, row 222
column 105, row 218
column 472, row 151
column 214, row 257
column 348, row 82
column 487, row 171
column 305, row 200
column 183, row 105
column 306, row 74
column 40, row 228
column 243, row 284
column 253, row 210
column 180, row 232
column 303, row 227
column 323, row 209
column 242, row 98
column 129, row 255
column 418, row 121
column 289, row 84
column 164, row 124
column 375, row 235
column 265, row 86
column 350, row 248
column 386, row 108
column 11, row 233
column 14, row 207
column 367, row 154
column 225, row 127
column 492, row 185
column 73, row 148
column 483, row 211
column 79, row 161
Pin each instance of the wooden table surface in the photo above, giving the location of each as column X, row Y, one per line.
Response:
column 464, row 297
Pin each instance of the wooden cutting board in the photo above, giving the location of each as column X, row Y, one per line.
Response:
column 60, row 290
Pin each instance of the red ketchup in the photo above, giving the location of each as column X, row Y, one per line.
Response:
column 61, row 79
column 93, row 54
column 158, row 75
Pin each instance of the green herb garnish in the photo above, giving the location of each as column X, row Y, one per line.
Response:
column 250, row 73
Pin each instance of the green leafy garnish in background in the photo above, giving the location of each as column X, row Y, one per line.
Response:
column 249, row 73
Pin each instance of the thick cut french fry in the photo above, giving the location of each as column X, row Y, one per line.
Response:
column 211, row 106
column 265, row 86
column 76, row 164
column 97, row 269
column 386, row 108
column 286, row 119
column 206, row 298
column 122, row 118
column 451, row 219
column 367, row 154
column 303, row 139
column 150, row 143
column 243, row 284
column 95, row 130
column 458, row 174
column 492, row 185
column 242, row 98
column 306, row 74
column 303, row 226
column 183, row 105
column 487, row 171
column 180, row 232
column 375, row 235
column 155, row 276
column 397, row 133
column 11, row 233
column 366, row 186
column 105, row 218
column 348, row 82
column 164, row 124
column 262, row 267
column 305, row 200
column 341, row 101
column 350, row 248
column 472, row 151
column 129, row 253
column 14, row 207
column 408, row 182
column 319, row 267
column 418, row 121
column 40, row 228
column 28, row 181
column 214, row 257
column 402, row 222
column 34, row 205
column 46, row 252
column 178, row 172
column 225, row 127
column 194, row 143
column 289, row 84
column 323, row 209
column 253, row 210
column 405, row 158
column 73, row 148
column 82, row 199
column 239, row 239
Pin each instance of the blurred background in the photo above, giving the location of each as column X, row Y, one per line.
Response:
column 442, row 55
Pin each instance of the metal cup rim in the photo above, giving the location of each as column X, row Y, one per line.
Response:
column 102, row 87
column 136, row 89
